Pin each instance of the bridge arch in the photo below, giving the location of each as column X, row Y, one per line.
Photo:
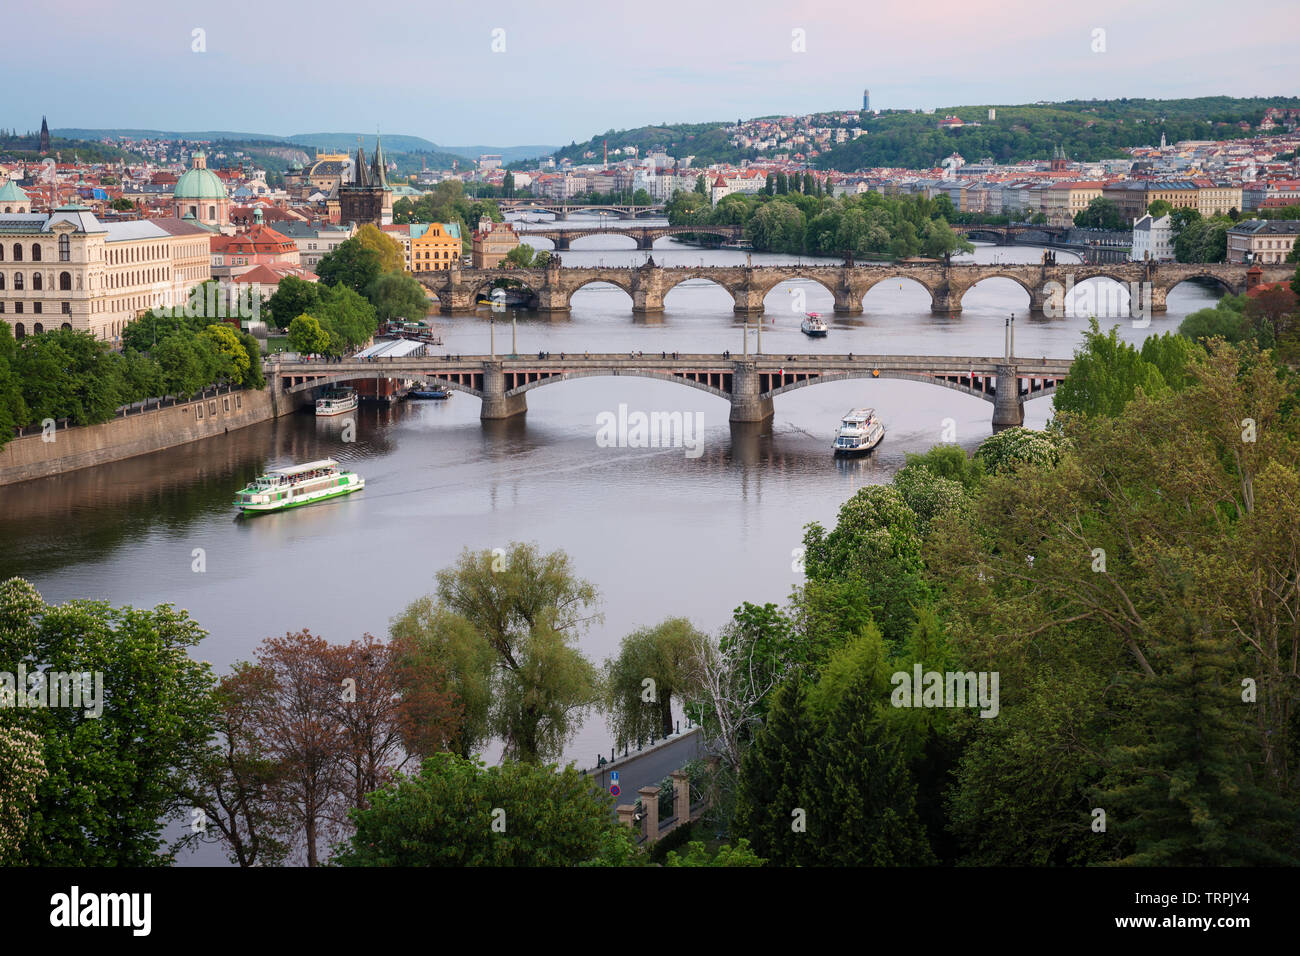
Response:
column 1224, row 286
column 988, row 395
column 863, row 287
column 609, row 373
column 622, row 282
column 378, row 373
column 1030, row 291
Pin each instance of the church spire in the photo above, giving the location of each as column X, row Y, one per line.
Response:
column 378, row 174
column 361, row 178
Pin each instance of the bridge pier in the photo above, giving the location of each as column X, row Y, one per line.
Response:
column 552, row 300
column 1008, row 410
column 647, row 301
column 747, row 403
column 1047, row 300
column 496, row 403
column 945, row 302
column 748, row 301
column 561, row 243
column 455, row 302
column 847, row 302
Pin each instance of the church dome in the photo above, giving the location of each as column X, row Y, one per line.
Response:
column 199, row 183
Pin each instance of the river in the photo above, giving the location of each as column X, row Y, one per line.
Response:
column 659, row 533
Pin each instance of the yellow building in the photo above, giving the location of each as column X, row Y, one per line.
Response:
column 1063, row 201
column 492, row 242
column 436, row 248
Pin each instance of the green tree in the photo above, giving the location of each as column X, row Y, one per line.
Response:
column 388, row 249
column 307, row 336
column 350, row 264
column 697, row 854
column 112, row 764
column 1013, row 448
column 456, row 812
column 293, row 297
column 641, row 198
column 236, row 363
column 699, row 185
column 397, row 295
column 1106, row 372
column 1100, row 214
column 665, row 655
column 1160, row 207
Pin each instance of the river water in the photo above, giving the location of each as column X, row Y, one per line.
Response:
column 658, row 532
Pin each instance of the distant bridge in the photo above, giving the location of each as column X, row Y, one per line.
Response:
column 645, row 236
column 562, row 209
column 748, row 382
column 1047, row 285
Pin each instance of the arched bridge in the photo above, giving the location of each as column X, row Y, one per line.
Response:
column 645, row 236
column 749, row 382
column 562, row 209
column 1047, row 285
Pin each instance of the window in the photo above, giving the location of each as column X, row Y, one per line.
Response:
column 37, row 281
column 212, row 212
column 20, row 331
column 66, row 325
column 37, row 329
column 36, row 307
column 67, row 308
column 18, row 281
column 2, row 281
column 2, row 253
column 18, row 307
column 36, row 252
column 18, row 252
column 65, row 281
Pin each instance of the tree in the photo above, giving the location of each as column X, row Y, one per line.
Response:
column 293, row 297
column 1106, row 372
column 641, row 198
column 350, row 264
column 112, row 759
column 235, row 362
column 13, row 409
column 1101, row 214
column 508, row 184
column 186, row 364
column 530, row 609
column 307, row 336
column 1013, row 448
column 699, row 185
column 1203, row 240
column 21, row 756
column 388, row 249
column 697, row 854
column 664, row 655
column 121, row 204
column 1160, row 207
column 395, row 295
column 456, row 812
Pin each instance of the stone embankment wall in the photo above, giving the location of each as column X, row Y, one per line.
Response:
column 32, row 456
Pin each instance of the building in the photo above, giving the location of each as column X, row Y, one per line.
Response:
column 314, row 240
column 45, row 136
column 367, row 198
column 1264, row 241
column 1153, row 239
column 435, row 248
column 492, row 242
column 1064, row 200
column 13, row 199
column 866, row 101
column 1134, row 196
column 201, row 195
column 69, row 270
column 232, row 256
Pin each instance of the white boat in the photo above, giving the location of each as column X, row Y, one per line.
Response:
column 860, row 431
column 813, row 325
column 336, row 401
column 296, row 486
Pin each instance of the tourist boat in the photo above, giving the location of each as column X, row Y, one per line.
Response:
column 425, row 390
column 813, row 325
column 296, row 486
column 336, row 401
column 860, row 431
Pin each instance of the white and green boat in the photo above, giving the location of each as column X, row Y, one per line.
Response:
column 296, row 486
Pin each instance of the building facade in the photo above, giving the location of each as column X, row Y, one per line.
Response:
column 69, row 270
column 1153, row 239
column 368, row 198
column 1264, row 241
column 492, row 242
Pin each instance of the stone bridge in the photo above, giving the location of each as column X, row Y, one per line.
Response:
column 1047, row 285
column 748, row 382
column 1006, row 235
column 562, row 209
column 645, row 236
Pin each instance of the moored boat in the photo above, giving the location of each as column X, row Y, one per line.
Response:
column 296, row 486
column 426, row 391
column 860, row 431
column 336, row 401
column 814, row 326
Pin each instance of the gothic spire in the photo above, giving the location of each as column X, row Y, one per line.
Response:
column 361, row 178
column 377, row 172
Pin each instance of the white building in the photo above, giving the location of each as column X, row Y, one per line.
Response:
column 1153, row 239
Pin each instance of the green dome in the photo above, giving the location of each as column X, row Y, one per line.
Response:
column 199, row 184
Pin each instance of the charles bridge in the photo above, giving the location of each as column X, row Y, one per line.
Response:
column 748, row 382
column 458, row 289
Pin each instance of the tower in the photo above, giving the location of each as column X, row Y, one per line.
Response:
column 368, row 198
column 45, row 136
column 866, row 101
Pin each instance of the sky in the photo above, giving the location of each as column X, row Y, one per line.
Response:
column 516, row 73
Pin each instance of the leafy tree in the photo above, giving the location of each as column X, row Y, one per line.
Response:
column 1226, row 319
column 700, row 186
column 389, row 250
column 13, row 409
column 398, row 295
column 1160, row 207
column 1013, row 448
column 1203, row 240
column 21, row 755
column 293, row 297
column 350, row 264
column 697, row 854
column 530, row 609
column 1100, row 214
column 307, row 336
column 112, row 765
column 456, row 812
column 236, row 363
column 1106, row 372
column 641, row 198
column 665, row 655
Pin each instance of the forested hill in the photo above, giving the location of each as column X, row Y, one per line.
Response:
column 1086, row 130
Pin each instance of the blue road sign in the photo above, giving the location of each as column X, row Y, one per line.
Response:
column 613, row 776
column 615, row 789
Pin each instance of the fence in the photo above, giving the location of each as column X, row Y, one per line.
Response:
column 135, row 408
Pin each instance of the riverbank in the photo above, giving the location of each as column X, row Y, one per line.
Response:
column 71, row 449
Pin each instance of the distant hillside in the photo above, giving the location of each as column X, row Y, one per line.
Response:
column 1086, row 129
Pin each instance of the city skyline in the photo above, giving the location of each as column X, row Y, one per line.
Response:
column 694, row 67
